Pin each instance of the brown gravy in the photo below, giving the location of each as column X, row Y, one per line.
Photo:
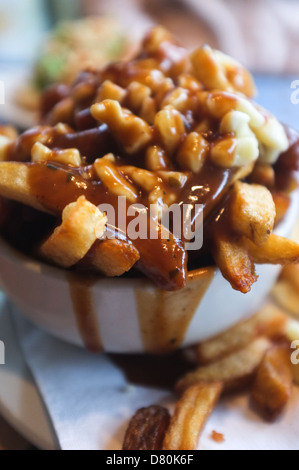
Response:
column 85, row 310
column 164, row 317
column 56, row 186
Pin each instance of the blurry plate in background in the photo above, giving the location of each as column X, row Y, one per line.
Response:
column 11, row 112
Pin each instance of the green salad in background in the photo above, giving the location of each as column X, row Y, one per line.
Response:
column 74, row 46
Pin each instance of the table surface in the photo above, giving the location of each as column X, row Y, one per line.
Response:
column 275, row 94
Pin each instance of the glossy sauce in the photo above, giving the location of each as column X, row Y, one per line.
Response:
column 164, row 317
column 85, row 310
column 288, row 162
column 56, row 186
column 91, row 143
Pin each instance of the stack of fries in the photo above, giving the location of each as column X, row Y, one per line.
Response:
column 255, row 354
column 286, row 290
column 167, row 128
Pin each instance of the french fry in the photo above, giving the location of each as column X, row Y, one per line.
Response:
column 234, row 262
column 263, row 174
column 9, row 131
column 272, row 387
column 292, row 334
column 276, row 250
column 190, row 416
column 282, row 203
column 295, row 372
column 269, row 321
column 290, row 274
column 286, row 296
column 14, row 184
column 292, row 330
column 69, row 243
column 242, row 172
column 252, row 211
column 113, row 257
column 235, row 370
column 5, row 147
column 147, row 429
column 295, row 232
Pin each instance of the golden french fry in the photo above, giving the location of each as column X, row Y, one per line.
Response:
column 290, row 274
column 252, row 211
column 295, row 372
column 9, row 131
column 272, row 387
column 147, row 429
column 6, row 144
column 190, row 416
column 113, row 257
column 14, row 184
column 292, row 334
column 69, row 243
column 269, row 321
column 263, row 174
column 242, row 172
column 295, row 232
column 292, row 330
column 286, row 296
column 282, row 203
column 276, row 250
column 234, row 262
column 235, row 370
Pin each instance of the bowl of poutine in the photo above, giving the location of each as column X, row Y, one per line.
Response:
column 85, row 251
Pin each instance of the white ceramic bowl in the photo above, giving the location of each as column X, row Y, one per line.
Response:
column 131, row 315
